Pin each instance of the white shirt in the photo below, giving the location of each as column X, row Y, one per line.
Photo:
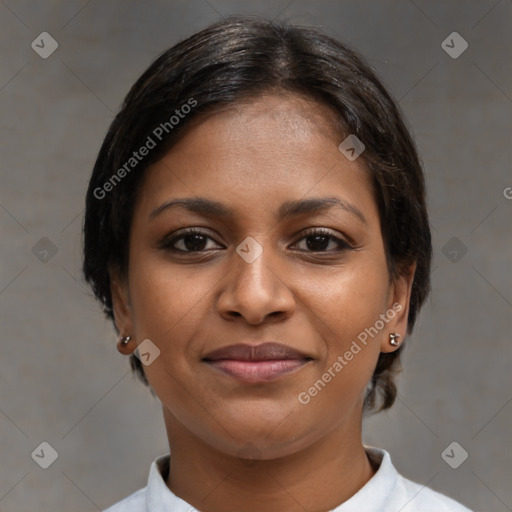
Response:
column 386, row 491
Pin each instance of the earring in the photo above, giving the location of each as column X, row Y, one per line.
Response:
column 393, row 339
column 125, row 339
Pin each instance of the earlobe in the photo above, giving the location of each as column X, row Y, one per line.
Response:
column 398, row 310
column 122, row 310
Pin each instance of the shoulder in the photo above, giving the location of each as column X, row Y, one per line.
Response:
column 156, row 492
column 396, row 492
column 135, row 502
column 419, row 498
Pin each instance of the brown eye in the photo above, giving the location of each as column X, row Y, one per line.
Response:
column 189, row 241
column 320, row 239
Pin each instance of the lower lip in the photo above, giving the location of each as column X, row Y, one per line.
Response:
column 258, row 371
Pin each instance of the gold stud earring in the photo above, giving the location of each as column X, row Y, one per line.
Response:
column 393, row 339
column 125, row 339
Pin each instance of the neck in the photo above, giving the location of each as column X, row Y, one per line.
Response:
column 320, row 477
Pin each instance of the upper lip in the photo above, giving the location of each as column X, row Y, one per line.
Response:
column 268, row 351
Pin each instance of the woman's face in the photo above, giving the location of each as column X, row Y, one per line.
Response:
column 260, row 272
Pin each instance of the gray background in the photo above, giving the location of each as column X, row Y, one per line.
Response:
column 61, row 378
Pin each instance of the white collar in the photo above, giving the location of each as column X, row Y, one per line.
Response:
column 386, row 491
column 372, row 496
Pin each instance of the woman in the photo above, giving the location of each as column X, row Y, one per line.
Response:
column 256, row 228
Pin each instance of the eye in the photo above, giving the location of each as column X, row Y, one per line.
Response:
column 190, row 240
column 319, row 239
column 193, row 240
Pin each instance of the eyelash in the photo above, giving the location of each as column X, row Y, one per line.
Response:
column 168, row 244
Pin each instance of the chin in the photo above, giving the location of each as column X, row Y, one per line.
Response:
column 253, row 449
column 257, row 438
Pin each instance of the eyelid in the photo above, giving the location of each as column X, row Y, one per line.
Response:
column 342, row 242
column 168, row 241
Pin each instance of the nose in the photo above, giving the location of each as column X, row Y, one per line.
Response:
column 256, row 291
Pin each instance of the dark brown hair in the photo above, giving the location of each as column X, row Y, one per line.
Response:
column 236, row 59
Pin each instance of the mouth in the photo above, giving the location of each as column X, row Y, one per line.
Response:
column 257, row 363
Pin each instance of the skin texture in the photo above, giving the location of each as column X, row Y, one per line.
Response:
column 255, row 446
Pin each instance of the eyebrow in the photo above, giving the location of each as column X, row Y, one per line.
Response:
column 209, row 207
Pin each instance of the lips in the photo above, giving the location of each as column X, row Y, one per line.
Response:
column 264, row 352
column 256, row 363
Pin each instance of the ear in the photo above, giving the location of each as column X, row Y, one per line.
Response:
column 123, row 317
column 399, row 303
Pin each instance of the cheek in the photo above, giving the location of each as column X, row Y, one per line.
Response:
column 349, row 298
column 169, row 301
column 172, row 307
column 346, row 309
column 166, row 309
column 164, row 296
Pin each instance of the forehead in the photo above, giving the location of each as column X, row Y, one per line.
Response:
column 273, row 148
